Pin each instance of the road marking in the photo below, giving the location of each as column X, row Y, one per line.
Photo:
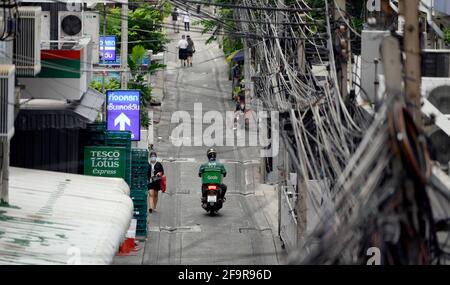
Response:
column 181, row 229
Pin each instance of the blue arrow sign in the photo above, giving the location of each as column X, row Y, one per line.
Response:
column 107, row 49
column 124, row 112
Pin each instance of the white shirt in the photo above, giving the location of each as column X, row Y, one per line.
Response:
column 183, row 44
column 152, row 165
column 187, row 18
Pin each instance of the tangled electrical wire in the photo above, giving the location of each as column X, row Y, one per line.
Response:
column 9, row 19
column 374, row 169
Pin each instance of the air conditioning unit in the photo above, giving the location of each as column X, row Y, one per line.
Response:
column 436, row 63
column 45, row 28
column 27, row 44
column 7, row 99
column 442, row 6
column 70, row 25
column 6, row 52
column 92, row 28
column 440, row 98
column 75, row 25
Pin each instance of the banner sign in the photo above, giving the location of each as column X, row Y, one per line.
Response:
column 105, row 161
column 123, row 112
column 107, row 48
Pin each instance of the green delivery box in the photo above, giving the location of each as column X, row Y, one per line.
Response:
column 212, row 176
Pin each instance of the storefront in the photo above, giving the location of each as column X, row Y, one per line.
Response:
column 49, row 133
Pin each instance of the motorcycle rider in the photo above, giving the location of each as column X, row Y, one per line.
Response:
column 213, row 163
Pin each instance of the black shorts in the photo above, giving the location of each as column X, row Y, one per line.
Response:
column 154, row 186
column 182, row 54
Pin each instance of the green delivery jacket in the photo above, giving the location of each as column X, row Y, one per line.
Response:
column 212, row 172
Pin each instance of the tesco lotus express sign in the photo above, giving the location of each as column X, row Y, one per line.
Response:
column 105, row 161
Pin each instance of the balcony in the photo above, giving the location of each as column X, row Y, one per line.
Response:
column 66, row 71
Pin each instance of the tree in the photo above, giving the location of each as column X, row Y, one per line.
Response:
column 447, row 36
column 144, row 25
column 137, row 82
column 145, row 33
column 226, row 16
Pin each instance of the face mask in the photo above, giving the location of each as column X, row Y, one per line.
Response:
column 153, row 159
column 242, row 107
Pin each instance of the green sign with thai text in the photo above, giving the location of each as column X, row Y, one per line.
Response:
column 105, row 161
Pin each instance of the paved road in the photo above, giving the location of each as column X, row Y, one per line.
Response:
column 181, row 232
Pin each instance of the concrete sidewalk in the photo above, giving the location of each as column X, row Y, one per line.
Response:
column 269, row 200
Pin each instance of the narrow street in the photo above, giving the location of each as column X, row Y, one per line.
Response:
column 312, row 132
column 180, row 231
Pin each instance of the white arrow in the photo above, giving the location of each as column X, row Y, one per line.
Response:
column 122, row 119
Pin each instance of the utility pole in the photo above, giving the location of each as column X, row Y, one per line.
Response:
column 343, row 41
column 345, row 55
column 412, row 64
column 401, row 16
column 340, row 7
column 4, row 183
column 124, row 47
column 103, row 59
column 301, row 56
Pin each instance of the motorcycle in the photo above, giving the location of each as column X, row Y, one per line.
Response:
column 211, row 190
column 212, row 204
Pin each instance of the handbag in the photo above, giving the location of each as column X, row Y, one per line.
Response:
column 163, row 183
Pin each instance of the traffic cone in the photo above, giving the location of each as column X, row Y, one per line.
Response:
column 131, row 244
column 127, row 247
column 124, row 248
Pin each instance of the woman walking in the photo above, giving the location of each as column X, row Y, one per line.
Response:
column 175, row 15
column 182, row 50
column 187, row 21
column 190, row 50
column 155, row 173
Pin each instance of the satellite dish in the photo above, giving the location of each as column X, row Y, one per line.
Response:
column 71, row 25
column 440, row 98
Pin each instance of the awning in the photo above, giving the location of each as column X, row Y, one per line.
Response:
column 236, row 56
column 38, row 114
column 58, row 218
column 90, row 105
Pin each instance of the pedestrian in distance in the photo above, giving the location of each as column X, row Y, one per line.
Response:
column 183, row 50
column 235, row 74
column 187, row 21
column 190, row 50
column 155, row 174
column 175, row 15
column 237, row 71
